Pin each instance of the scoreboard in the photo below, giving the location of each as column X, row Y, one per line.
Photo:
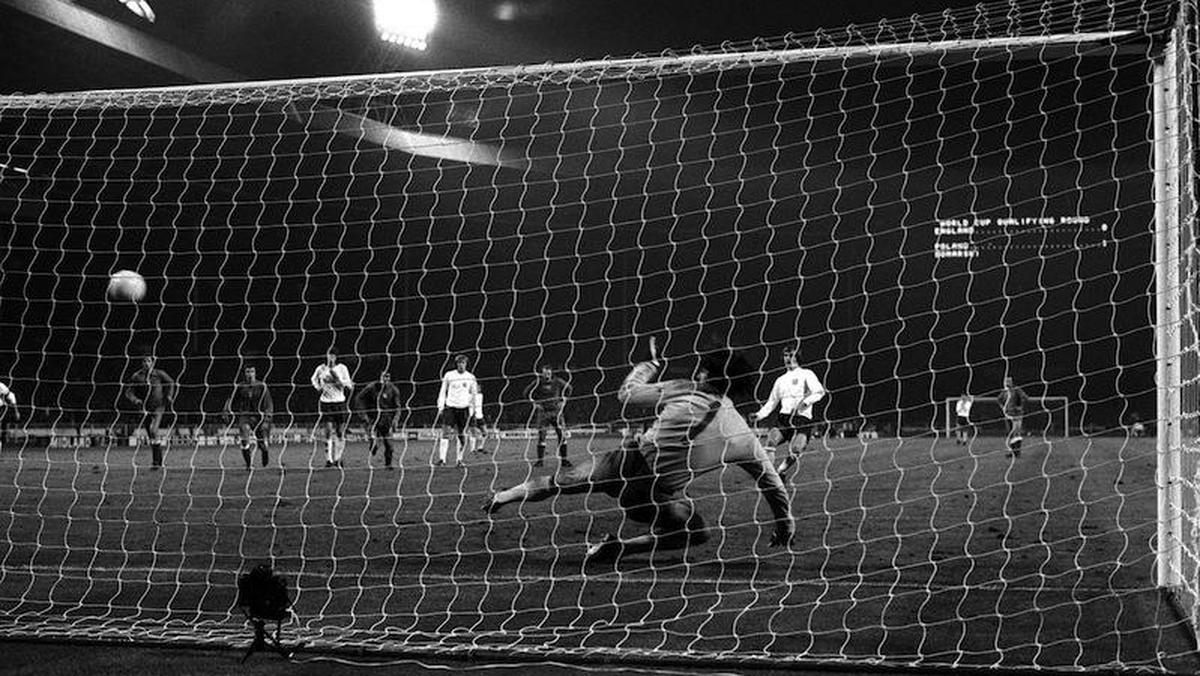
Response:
column 977, row 236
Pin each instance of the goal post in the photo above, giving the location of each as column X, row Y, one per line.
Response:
column 1175, row 81
column 1043, row 416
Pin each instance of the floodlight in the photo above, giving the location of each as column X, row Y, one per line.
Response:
column 406, row 22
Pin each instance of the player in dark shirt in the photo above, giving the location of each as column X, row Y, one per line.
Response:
column 251, row 408
column 151, row 390
column 1012, row 402
column 378, row 404
column 548, row 395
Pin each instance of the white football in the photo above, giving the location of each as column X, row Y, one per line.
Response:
column 126, row 285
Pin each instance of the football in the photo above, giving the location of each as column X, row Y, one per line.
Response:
column 126, row 285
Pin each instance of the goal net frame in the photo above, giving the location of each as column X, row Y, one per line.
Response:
column 1178, row 408
column 1176, row 103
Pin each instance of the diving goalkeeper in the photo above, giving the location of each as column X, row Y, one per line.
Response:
column 696, row 430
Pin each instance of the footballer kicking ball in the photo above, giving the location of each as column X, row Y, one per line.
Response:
column 126, row 285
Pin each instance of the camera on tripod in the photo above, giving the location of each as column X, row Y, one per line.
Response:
column 263, row 596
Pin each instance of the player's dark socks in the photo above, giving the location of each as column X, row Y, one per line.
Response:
column 266, row 456
column 541, row 450
column 562, row 451
column 789, row 462
column 329, row 463
column 156, row 454
column 489, row 506
column 246, row 456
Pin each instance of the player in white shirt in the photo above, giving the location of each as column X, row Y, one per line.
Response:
column 8, row 411
column 962, row 411
column 794, row 394
column 455, row 404
column 332, row 380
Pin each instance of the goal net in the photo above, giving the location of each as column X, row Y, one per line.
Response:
column 1042, row 416
column 923, row 206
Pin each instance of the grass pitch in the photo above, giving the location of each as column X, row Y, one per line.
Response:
column 908, row 551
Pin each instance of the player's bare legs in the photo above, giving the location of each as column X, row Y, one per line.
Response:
column 578, row 480
column 454, row 425
column 329, row 443
column 534, row 490
column 545, row 420
column 260, row 432
column 797, row 445
column 372, row 437
column 245, row 434
column 676, row 525
column 263, row 432
column 562, row 443
column 442, row 444
column 543, row 423
column 477, row 435
column 461, row 439
column 1015, row 435
column 541, row 444
column 388, row 451
column 339, row 444
column 776, row 442
column 381, row 435
column 788, row 442
column 151, row 423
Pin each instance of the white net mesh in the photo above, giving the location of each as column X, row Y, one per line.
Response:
column 926, row 205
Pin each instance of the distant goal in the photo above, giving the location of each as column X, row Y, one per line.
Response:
column 1044, row 416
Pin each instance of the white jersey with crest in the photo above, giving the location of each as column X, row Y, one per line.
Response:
column 458, row 390
column 332, row 382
